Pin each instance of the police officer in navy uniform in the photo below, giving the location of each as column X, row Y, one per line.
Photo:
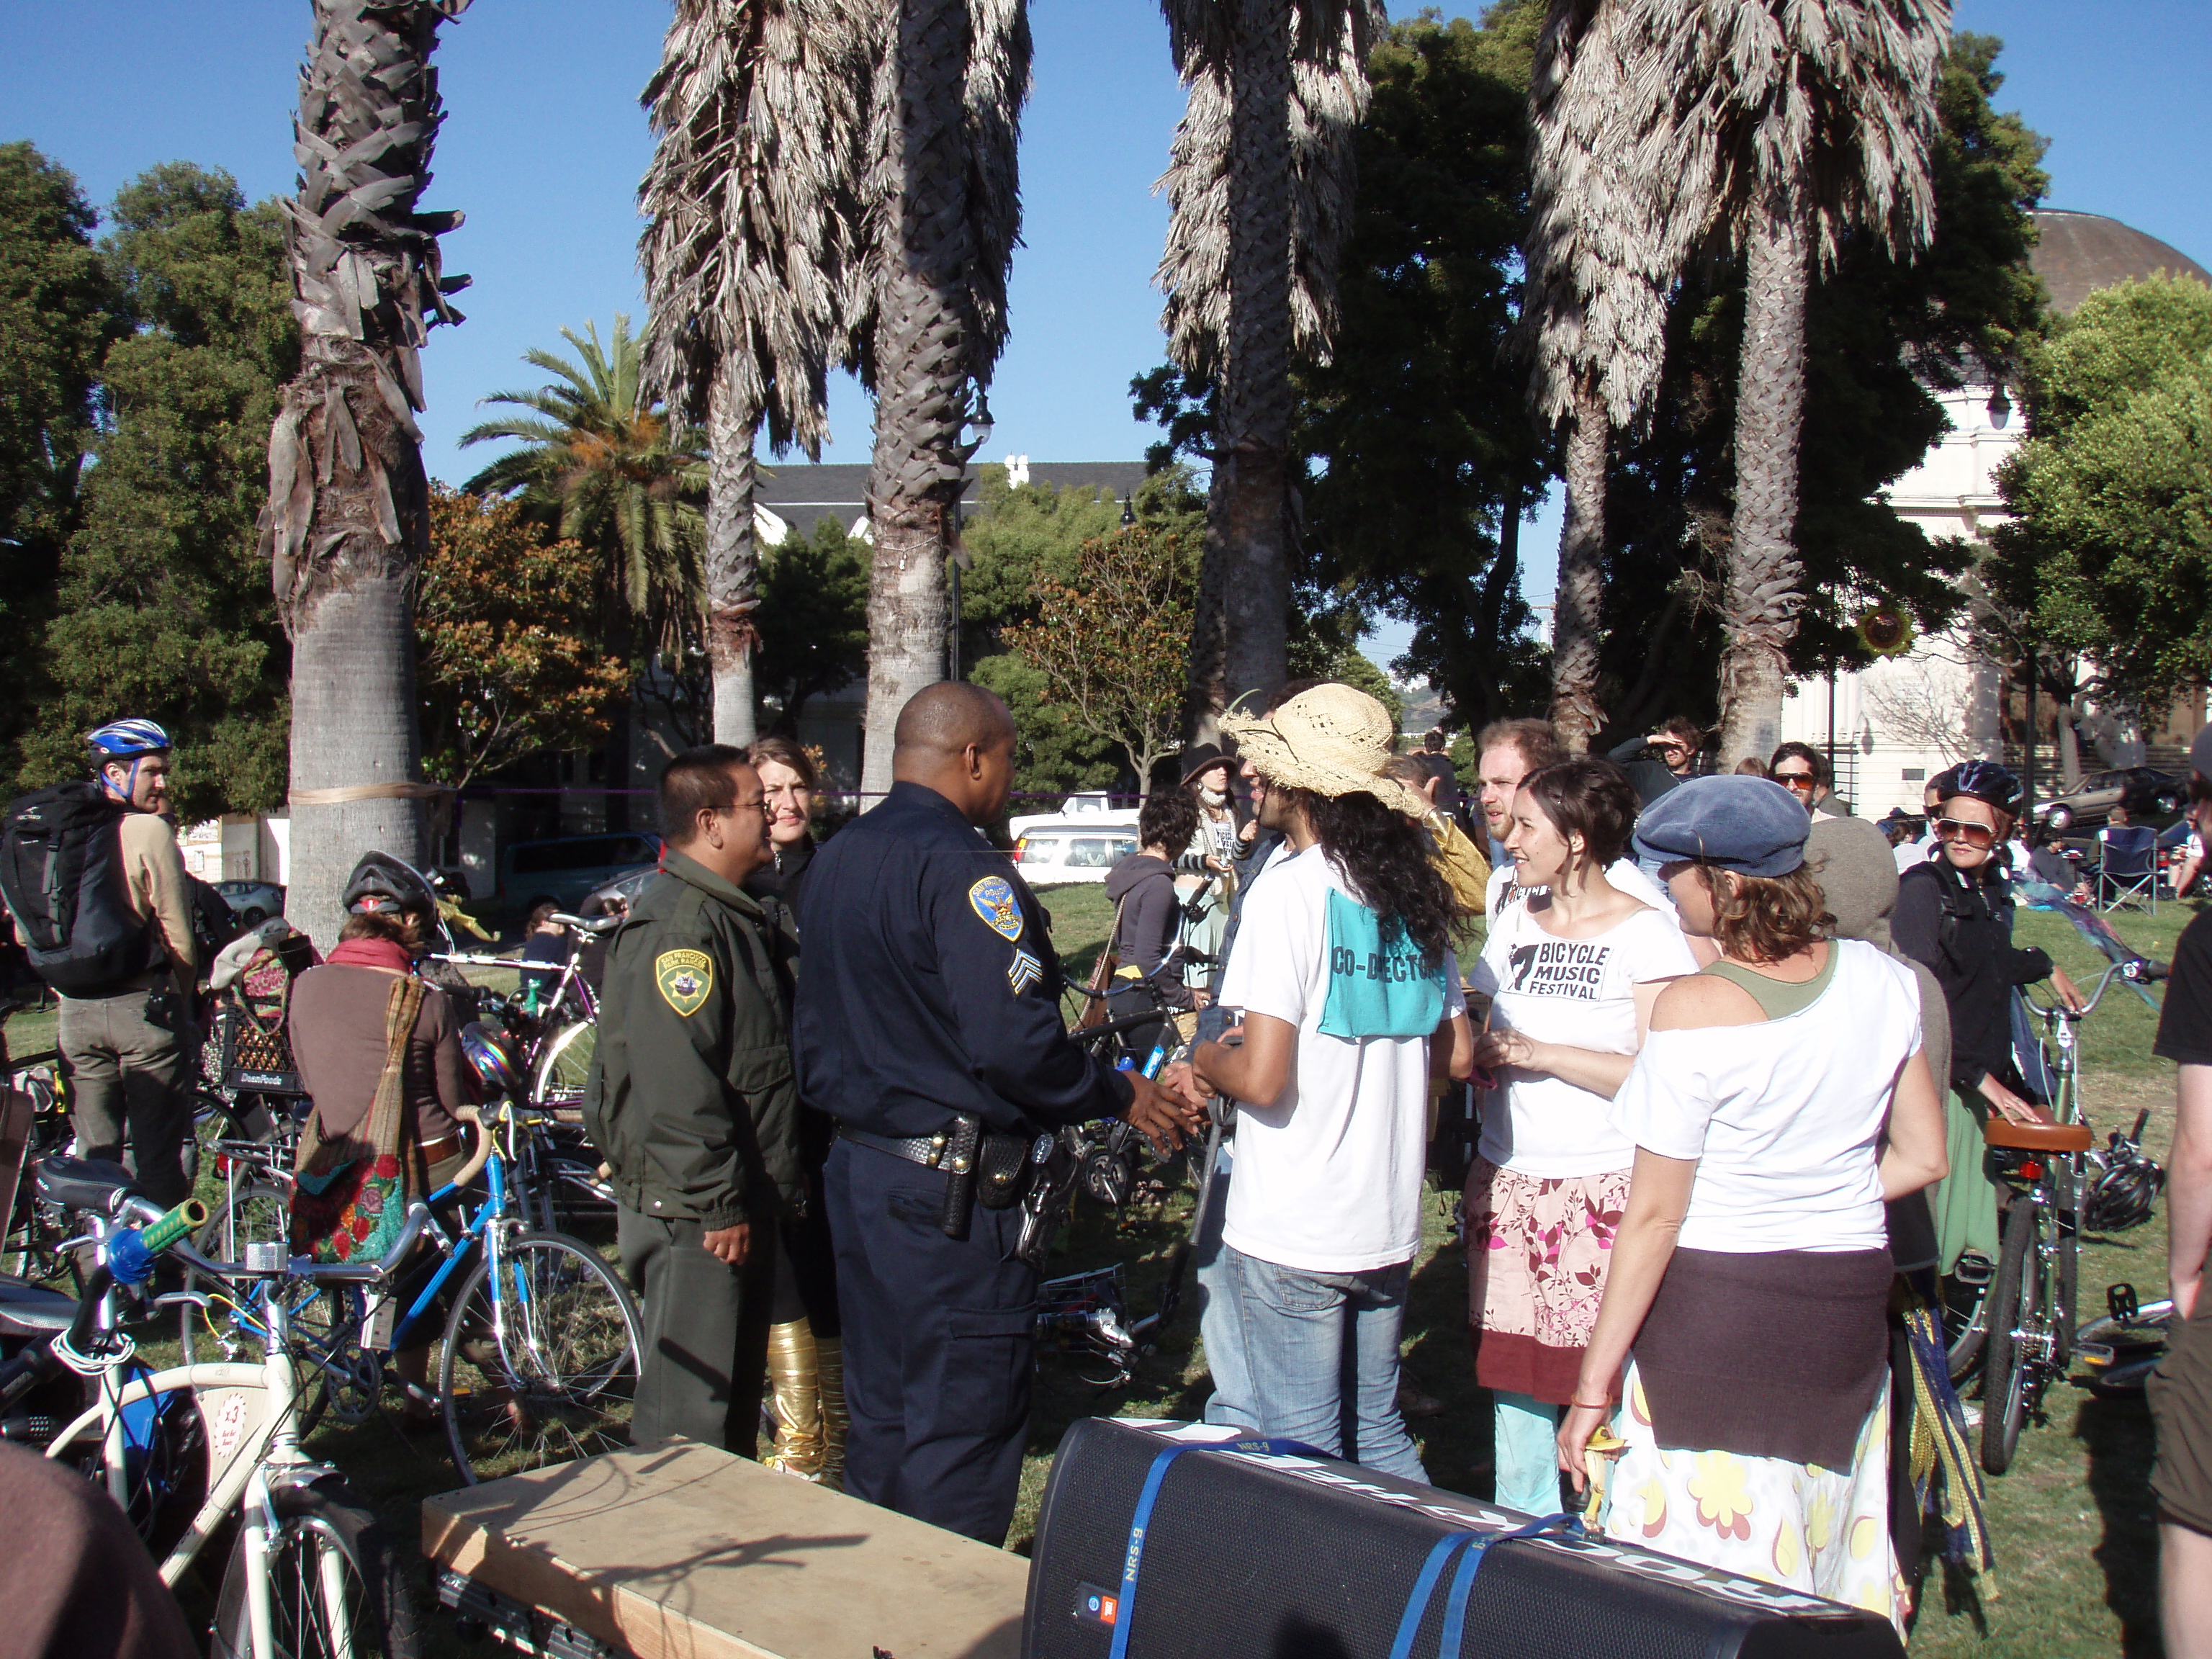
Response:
column 928, row 990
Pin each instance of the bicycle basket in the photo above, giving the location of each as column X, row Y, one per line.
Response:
column 257, row 1056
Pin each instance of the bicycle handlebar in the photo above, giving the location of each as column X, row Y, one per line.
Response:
column 343, row 1272
column 586, row 925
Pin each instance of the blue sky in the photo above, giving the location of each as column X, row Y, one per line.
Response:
column 544, row 142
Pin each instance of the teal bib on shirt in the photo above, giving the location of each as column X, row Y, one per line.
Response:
column 1377, row 990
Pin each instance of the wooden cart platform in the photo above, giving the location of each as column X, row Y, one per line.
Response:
column 680, row 1550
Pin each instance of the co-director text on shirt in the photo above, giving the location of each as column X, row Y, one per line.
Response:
column 928, row 1025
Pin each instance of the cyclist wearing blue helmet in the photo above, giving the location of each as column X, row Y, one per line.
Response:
column 1955, row 914
column 125, row 1045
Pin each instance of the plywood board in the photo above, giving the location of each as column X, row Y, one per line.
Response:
column 680, row 1550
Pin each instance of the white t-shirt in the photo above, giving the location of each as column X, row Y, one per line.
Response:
column 1914, row 853
column 1783, row 1117
column 1328, row 1174
column 1624, row 873
column 1576, row 991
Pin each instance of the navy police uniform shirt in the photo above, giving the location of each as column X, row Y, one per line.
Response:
column 929, row 986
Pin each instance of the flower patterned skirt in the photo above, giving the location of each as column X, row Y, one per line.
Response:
column 1536, row 1253
column 1822, row 1531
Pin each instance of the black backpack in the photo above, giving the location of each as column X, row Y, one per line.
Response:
column 61, row 873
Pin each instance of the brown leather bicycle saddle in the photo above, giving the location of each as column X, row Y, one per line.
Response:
column 2044, row 1136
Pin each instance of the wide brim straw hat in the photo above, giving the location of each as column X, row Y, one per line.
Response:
column 1331, row 739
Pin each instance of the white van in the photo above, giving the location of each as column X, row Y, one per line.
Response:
column 1053, row 851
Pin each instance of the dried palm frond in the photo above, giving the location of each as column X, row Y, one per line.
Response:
column 1823, row 108
column 1330, row 41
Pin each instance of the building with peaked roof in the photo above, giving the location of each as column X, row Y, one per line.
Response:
column 1891, row 726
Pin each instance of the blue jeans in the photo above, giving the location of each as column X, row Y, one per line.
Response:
column 1322, row 1349
column 1220, row 1321
column 1527, row 1454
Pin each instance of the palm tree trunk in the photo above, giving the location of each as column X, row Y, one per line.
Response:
column 347, row 525
column 1759, row 616
column 1240, row 641
column 733, row 563
column 923, row 367
column 1580, row 591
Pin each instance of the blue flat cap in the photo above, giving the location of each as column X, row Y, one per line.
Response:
column 1734, row 821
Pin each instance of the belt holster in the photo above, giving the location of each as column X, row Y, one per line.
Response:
column 962, row 1147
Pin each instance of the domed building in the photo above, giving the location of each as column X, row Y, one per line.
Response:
column 1897, row 723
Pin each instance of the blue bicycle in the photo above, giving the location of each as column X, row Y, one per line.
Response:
column 538, row 1337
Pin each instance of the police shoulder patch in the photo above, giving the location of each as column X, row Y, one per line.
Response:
column 685, row 979
column 993, row 899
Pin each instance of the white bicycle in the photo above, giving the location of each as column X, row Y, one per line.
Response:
column 311, row 1574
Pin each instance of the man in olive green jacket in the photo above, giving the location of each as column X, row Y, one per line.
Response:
column 693, row 1106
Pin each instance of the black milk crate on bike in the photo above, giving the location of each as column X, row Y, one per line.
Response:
column 256, row 1060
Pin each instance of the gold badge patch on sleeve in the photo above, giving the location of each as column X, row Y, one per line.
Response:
column 685, row 979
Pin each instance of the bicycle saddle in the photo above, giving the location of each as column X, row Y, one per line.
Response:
column 83, row 1183
column 27, row 1310
column 2043, row 1136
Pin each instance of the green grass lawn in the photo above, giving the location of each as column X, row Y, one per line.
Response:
column 2072, row 1525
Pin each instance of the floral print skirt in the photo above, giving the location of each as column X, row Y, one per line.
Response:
column 1822, row 1531
column 1536, row 1253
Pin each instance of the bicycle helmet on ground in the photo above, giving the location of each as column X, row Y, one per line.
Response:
column 122, row 740
column 1987, row 782
column 2123, row 1196
column 382, row 883
column 492, row 1058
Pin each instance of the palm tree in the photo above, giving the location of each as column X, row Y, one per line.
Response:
column 347, row 525
column 943, row 209
column 1799, row 120
column 1260, row 186
column 752, row 201
column 1606, row 240
column 600, row 460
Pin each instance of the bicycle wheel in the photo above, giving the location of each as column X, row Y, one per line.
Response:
column 256, row 1214
column 545, row 1370
column 564, row 1065
column 1966, row 1324
column 2015, row 1311
column 335, row 1585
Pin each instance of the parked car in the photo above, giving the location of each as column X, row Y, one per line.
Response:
column 1053, row 851
column 252, row 901
column 2144, row 791
column 564, row 869
column 1095, row 807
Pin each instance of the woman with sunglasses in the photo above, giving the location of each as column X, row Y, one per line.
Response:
column 1955, row 914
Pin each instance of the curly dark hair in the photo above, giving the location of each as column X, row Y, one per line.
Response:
column 1386, row 857
column 1169, row 819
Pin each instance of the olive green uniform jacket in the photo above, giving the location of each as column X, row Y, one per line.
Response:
column 691, row 1100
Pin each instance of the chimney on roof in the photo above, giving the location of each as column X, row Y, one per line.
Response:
column 1018, row 470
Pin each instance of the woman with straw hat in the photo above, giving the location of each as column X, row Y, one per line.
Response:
column 1345, row 979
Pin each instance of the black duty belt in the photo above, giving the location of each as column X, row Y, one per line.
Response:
column 928, row 1151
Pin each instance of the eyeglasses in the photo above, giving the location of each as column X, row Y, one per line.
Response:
column 1795, row 781
column 1974, row 834
column 740, row 806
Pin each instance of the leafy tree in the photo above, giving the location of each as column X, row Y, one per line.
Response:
column 814, row 618
column 163, row 603
column 1021, row 534
column 505, row 656
column 2109, row 555
column 1112, row 643
column 600, row 461
column 59, row 312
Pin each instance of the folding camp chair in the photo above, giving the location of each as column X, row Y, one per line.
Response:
column 2127, row 874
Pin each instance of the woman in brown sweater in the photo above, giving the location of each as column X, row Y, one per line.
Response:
column 338, row 1021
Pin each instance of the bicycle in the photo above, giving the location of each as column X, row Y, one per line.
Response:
column 541, row 1341
column 2027, row 1315
column 311, row 1572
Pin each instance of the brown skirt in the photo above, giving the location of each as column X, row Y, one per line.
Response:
column 1769, row 1354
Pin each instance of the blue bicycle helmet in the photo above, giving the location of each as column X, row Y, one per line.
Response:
column 492, row 1059
column 122, row 740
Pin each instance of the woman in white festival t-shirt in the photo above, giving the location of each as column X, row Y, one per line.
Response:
column 1572, row 974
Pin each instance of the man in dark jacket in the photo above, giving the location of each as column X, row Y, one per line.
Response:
column 929, row 1003
column 692, row 1104
column 1660, row 760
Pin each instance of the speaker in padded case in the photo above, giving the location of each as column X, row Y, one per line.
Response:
column 1286, row 1557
